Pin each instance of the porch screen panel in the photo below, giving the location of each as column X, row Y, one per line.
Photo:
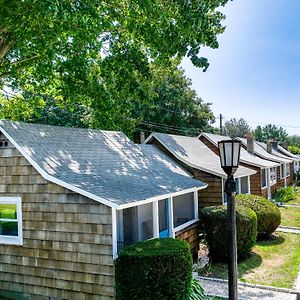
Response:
column 145, row 222
column 183, row 209
column 244, row 185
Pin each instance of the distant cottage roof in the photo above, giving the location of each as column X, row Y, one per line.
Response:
column 259, row 150
column 194, row 153
column 275, row 152
column 102, row 165
column 245, row 156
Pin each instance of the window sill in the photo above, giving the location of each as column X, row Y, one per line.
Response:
column 178, row 228
column 11, row 241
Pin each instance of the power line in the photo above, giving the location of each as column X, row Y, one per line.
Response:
column 170, row 128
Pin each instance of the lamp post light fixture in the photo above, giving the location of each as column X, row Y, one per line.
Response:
column 229, row 151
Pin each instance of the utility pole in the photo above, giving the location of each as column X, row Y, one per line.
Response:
column 221, row 124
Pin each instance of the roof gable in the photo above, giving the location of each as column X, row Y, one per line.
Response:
column 245, row 156
column 194, row 153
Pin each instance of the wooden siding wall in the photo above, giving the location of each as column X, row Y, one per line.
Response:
column 255, row 182
column 212, row 195
column 190, row 235
column 67, row 250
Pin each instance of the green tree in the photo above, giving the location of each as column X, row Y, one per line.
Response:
column 258, row 134
column 270, row 132
column 173, row 106
column 161, row 101
column 294, row 140
column 236, row 128
column 39, row 39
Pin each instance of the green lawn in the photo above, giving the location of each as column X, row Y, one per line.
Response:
column 297, row 200
column 274, row 262
column 290, row 216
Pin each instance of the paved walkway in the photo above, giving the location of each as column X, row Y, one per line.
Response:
column 289, row 205
column 216, row 287
column 289, row 229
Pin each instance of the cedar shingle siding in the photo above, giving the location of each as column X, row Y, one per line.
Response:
column 67, row 238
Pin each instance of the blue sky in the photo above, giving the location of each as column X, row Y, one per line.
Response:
column 255, row 72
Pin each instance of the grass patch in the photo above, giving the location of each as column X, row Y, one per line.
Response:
column 273, row 262
column 290, row 216
column 297, row 200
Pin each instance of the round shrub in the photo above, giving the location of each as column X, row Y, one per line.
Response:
column 268, row 214
column 154, row 269
column 215, row 228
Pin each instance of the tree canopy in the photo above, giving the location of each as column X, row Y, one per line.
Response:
column 270, row 132
column 162, row 101
column 39, row 39
column 236, row 128
column 106, row 64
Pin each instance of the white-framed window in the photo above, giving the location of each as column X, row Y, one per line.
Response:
column 183, row 209
column 242, row 185
column 282, row 175
column 288, row 169
column 263, row 178
column 161, row 218
column 245, row 185
column 273, row 175
column 11, row 221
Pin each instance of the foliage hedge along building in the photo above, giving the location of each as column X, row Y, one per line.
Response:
column 215, row 227
column 154, row 269
column 268, row 214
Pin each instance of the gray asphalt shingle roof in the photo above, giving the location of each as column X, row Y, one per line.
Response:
column 288, row 153
column 105, row 164
column 245, row 156
column 259, row 150
column 194, row 153
column 275, row 152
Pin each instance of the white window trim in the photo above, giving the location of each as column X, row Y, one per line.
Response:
column 282, row 171
column 13, row 240
column 240, row 185
column 266, row 179
column 286, row 174
column 172, row 230
column 272, row 182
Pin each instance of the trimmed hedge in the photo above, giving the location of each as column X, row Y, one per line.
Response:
column 268, row 214
column 154, row 269
column 215, row 228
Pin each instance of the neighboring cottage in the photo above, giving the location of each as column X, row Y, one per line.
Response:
column 283, row 175
column 277, row 150
column 70, row 198
column 263, row 182
column 195, row 157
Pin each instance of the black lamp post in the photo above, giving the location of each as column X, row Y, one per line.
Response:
column 229, row 151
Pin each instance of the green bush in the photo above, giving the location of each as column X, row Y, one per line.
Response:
column 268, row 214
column 154, row 269
column 285, row 194
column 215, row 227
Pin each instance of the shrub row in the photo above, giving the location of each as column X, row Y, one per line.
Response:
column 154, row 269
column 215, row 224
column 268, row 214
column 255, row 217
